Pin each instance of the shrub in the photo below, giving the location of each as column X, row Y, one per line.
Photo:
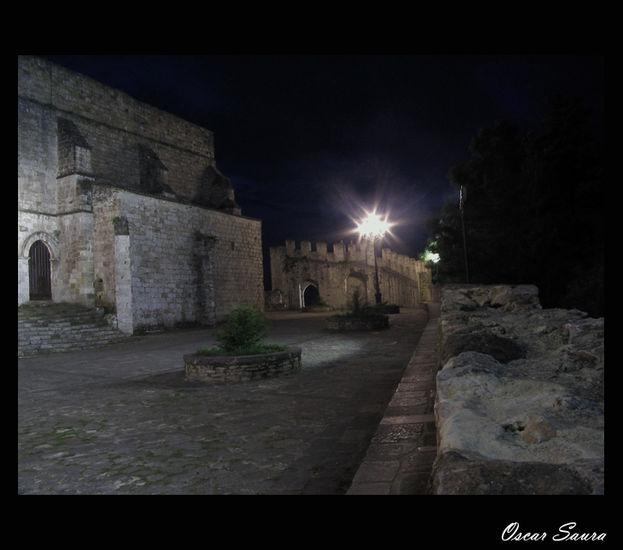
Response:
column 386, row 308
column 361, row 316
column 356, row 306
column 244, row 327
column 242, row 334
column 362, row 310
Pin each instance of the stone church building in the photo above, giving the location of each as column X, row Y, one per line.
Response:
column 121, row 207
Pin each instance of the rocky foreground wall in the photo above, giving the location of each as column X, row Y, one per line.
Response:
column 520, row 395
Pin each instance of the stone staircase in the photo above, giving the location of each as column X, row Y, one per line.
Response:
column 45, row 327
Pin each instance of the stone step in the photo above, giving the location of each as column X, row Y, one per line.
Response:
column 54, row 310
column 45, row 327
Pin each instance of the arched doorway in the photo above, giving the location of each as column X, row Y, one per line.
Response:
column 39, row 272
column 311, row 296
column 308, row 294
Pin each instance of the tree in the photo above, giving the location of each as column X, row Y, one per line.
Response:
column 566, row 181
column 493, row 207
column 447, row 236
column 533, row 210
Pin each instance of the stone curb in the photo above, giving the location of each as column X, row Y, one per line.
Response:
column 400, row 457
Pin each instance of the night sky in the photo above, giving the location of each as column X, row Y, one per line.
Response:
column 308, row 141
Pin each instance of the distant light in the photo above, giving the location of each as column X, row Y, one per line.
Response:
column 431, row 257
column 373, row 226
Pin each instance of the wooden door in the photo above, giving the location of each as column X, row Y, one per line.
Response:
column 39, row 272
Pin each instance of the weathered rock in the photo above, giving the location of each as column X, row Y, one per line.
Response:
column 483, row 341
column 482, row 406
column 519, row 386
column 457, row 299
column 457, row 474
column 537, row 429
column 513, row 297
column 507, row 297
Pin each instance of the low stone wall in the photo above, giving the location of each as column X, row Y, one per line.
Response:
column 241, row 368
column 520, row 395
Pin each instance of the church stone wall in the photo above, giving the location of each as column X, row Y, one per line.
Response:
column 69, row 122
column 130, row 204
column 188, row 264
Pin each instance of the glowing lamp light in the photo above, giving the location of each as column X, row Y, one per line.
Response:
column 431, row 257
column 373, row 226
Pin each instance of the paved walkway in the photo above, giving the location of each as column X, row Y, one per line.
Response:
column 400, row 456
column 122, row 419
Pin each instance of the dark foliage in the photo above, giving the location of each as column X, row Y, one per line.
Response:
column 374, row 315
column 245, row 326
column 532, row 211
column 242, row 334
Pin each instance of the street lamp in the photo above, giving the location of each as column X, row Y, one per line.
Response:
column 433, row 257
column 373, row 227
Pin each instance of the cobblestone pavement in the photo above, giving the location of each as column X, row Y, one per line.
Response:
column 122, row 419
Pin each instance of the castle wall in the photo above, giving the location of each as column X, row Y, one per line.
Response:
column 337, row 273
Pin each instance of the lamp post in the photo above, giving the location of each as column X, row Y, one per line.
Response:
column 432, row 257
column 374, row 229
column 462, row 197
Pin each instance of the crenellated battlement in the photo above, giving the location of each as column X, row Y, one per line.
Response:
column 336, row 269
column 362, row 251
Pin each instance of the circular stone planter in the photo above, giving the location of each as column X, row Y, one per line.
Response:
column 241, row 368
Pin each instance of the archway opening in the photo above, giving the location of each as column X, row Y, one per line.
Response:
column 311, row 296
column 39, row 272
